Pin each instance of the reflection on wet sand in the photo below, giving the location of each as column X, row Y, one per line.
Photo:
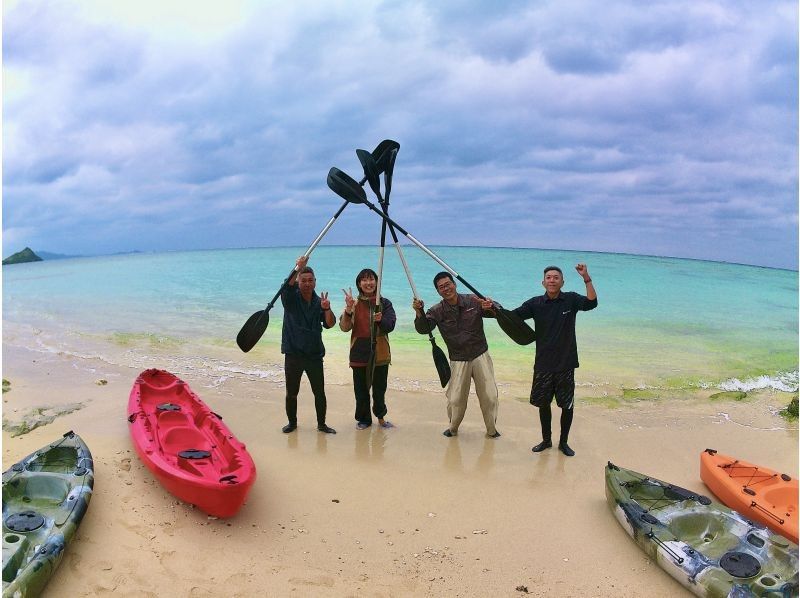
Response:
column 371, row 443
column 454, row 462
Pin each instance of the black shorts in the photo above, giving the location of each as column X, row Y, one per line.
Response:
column 547, row 385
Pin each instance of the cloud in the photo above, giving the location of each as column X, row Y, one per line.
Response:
column 613, row 127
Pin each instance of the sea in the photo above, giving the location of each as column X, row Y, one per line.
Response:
column 662, row 325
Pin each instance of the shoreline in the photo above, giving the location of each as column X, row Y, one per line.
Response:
column 219, row 362
column 400, row 512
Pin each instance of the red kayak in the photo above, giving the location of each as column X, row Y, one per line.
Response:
column 185, row 444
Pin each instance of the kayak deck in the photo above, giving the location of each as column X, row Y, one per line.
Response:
column 187, row 446
column 45, row 497
column 708, row 548
column 760, row 493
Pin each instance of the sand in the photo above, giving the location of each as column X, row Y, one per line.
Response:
column 399, row 512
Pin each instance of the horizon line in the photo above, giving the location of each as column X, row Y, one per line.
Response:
column 139, row 251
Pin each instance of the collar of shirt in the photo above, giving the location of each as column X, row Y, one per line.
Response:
column 548, row 300
column 462, row 302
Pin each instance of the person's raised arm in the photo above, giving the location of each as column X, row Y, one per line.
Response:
column 591, row 294
column 300, row 263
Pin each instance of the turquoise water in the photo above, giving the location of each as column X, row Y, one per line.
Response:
column 660, row 321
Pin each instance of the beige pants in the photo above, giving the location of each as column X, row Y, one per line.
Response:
column 481, row 370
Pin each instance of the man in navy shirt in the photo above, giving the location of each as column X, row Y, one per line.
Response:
column 304, row 315
column 556, row 350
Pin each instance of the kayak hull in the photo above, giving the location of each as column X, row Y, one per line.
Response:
column 45, row 497
column 188, row 448
column 757, row 492
column 709, row 549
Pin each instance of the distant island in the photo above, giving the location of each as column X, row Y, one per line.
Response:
column 21, row 257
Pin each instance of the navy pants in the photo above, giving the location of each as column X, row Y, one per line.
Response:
column 294, row 366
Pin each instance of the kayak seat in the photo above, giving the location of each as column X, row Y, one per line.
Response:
column 45, row 487
column 182, row 438
column 782, row 498
column 698, row 529
column 157, row 379
column 169, row 419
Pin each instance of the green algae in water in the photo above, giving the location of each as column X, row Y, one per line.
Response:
column 629, row 394
column 790, row 413
column 610, row 402
column 729, row 395
column 126, row 339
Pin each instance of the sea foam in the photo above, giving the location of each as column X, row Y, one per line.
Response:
column 784, row 381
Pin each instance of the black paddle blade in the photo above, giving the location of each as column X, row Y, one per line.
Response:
column 514, row 326
column 381, row 153
column 252, row 330
column 345, row 186
column 441, row 362
column 387, row 174
column 370, row 171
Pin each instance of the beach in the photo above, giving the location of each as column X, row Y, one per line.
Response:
column 397, row 512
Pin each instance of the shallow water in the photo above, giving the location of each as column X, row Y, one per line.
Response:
column 662, row 323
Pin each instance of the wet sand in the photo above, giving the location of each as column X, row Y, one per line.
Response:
column 399, row 512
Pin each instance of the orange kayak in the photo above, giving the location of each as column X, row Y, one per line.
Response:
column 759, row 493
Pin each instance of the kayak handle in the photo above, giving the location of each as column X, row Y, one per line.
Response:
column 755, row 505
column 676, row 557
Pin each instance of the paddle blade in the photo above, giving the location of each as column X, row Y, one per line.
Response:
column 387, row 174
column 252, row 330
column 514, row 326
column 381, row 153
column 345, row 186
column 370, row 171
column 441, row 362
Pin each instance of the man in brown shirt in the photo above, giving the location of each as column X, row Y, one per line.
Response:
column 460, row 320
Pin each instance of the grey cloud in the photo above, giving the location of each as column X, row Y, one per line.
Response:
column 511, row 116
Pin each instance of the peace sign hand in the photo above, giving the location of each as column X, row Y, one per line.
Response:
column 349, row 302
column 324, row 302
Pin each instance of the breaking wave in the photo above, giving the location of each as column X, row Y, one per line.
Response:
column 784, row 381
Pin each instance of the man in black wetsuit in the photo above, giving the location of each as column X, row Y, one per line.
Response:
column 556, row 350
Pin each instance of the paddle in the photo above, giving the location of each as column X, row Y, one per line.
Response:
column 348, row 189
column 373, row 178
column 253, row 329
column 439, row 358
column 256, row 324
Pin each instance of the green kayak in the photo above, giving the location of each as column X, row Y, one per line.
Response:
column 45, row 496
column 708, row 548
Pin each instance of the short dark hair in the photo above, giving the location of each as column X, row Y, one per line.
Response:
column 365, row 273
column 556, row 268
column 306, row 270
column 441, row 275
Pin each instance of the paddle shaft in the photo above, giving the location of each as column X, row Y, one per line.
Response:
column 403, row 261
column 311, row 248
column 419, row 244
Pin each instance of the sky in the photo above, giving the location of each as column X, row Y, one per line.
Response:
column 659, row 128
